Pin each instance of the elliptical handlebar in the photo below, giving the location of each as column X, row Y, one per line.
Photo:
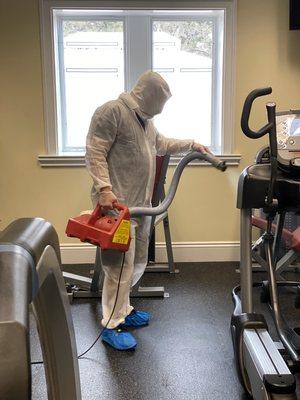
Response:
column 246, row 114
column 161, row 208
column 269, row 128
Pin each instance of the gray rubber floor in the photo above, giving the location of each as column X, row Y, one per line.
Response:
column 184, row 354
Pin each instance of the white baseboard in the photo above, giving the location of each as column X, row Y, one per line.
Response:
column 84, row 253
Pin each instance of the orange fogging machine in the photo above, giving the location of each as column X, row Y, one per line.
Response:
column 105, row 231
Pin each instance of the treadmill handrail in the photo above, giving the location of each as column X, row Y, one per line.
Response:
column 161, row 208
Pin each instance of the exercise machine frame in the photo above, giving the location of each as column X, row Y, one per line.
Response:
column 30, row 276
column 261, row 367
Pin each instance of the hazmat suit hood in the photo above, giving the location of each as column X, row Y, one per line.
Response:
column 150, row 93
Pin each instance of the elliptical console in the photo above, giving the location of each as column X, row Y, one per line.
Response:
column 288, row 140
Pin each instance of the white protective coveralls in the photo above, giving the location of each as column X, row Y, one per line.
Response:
column 121, row 156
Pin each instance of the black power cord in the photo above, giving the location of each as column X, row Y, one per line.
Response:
column 111, row 315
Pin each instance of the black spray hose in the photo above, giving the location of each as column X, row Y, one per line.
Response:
column 161, row 208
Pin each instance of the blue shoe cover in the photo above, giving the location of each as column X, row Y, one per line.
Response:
column 119, row 339
column 136, row 319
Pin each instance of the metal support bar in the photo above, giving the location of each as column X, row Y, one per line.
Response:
column 169, row 245
column 286, row 261
column 83, row 281
column 98, row 273
column 158, row 197
column 246, row 260
column 169, row 266
column 148, row 291
column 278, row 235
column 262, row 262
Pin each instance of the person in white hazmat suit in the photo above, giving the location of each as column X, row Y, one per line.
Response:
column 122, row 144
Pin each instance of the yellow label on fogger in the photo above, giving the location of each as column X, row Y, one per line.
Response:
column 122, row 233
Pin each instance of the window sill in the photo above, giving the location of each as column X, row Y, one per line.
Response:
column 57, row 161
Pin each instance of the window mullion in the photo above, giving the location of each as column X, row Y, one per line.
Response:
column 149, row 44
column 126, row 27
column 138, row 48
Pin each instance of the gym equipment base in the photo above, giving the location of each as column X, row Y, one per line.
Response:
column 85, row 285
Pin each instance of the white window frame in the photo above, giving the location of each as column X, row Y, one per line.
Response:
column 50, row 86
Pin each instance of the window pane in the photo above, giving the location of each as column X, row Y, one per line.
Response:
column 93, row 66
column 182, row 54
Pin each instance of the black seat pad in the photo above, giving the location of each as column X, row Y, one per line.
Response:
column 254, row 183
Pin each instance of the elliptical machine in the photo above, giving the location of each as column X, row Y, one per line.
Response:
column 263, row 368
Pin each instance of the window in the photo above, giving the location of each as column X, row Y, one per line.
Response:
column 182, row 52
column 90, row 71
column 98, row 53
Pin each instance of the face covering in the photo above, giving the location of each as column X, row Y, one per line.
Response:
column 150, row 93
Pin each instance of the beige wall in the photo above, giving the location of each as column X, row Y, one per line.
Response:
column 204, row 210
